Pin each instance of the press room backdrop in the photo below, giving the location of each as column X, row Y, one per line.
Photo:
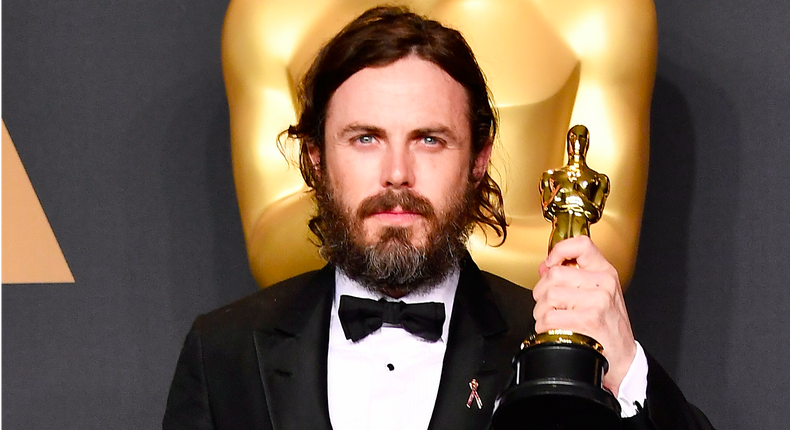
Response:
column 118, row 113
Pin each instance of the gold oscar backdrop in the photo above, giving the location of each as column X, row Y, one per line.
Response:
column 549, row 63
column 31, row 253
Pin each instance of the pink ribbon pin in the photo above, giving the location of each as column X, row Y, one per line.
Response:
column 473, row 395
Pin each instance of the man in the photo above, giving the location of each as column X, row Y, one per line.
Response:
column 396, row 132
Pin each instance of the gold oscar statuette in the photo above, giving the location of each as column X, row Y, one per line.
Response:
column 559, row 373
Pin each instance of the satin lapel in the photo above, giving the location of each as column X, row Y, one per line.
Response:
column 474, row 351
column 292, row 359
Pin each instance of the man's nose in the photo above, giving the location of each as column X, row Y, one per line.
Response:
column 397, row 170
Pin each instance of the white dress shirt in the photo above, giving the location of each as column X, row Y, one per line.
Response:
column 389, row 380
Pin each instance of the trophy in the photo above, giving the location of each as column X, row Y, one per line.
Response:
column 559, row 373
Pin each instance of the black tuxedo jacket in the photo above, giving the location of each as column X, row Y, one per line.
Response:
column 260, row 363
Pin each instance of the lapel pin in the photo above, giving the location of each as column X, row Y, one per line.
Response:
column 473, row 395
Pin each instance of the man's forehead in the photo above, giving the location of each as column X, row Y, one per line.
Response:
column 411, row 90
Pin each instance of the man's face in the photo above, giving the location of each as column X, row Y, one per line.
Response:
column 402, row 127
column 398, row 153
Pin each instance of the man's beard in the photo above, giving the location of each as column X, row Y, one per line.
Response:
column 393, row 265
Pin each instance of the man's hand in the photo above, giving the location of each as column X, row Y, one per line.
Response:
column 587, row 299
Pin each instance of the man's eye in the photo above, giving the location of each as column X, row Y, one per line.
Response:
column 430, row 140
column 365, row 139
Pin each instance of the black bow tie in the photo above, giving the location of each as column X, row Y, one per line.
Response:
column 361, row 317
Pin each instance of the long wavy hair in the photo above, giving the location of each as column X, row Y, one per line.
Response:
column 377, row 38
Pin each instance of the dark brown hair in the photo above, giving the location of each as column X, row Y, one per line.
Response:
column 377, row 38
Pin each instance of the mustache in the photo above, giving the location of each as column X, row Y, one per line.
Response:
column 388, row 200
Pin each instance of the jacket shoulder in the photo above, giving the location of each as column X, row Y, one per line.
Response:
column 260, row 310
column 514, row 302
column 512, row 294
column 503, row 286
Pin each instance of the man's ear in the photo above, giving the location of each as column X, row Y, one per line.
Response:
column 481, row 162
column 315, row 157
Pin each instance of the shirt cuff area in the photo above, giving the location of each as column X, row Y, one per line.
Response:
column 634, row 386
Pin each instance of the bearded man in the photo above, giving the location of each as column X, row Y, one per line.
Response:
column 401, row 330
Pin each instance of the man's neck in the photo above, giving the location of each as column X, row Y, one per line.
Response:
column 398, row 292
column 444, row 288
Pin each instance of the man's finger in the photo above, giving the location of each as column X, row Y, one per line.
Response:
column 543, row 269
column 581, row 249
column 556, row 276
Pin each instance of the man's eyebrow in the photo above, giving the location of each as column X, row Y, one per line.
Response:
column 439, row 129
column 361, row 128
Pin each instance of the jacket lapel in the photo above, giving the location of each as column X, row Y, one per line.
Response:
column 475, row 350
column 292, row 359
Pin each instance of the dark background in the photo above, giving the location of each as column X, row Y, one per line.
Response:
column 118, row 111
